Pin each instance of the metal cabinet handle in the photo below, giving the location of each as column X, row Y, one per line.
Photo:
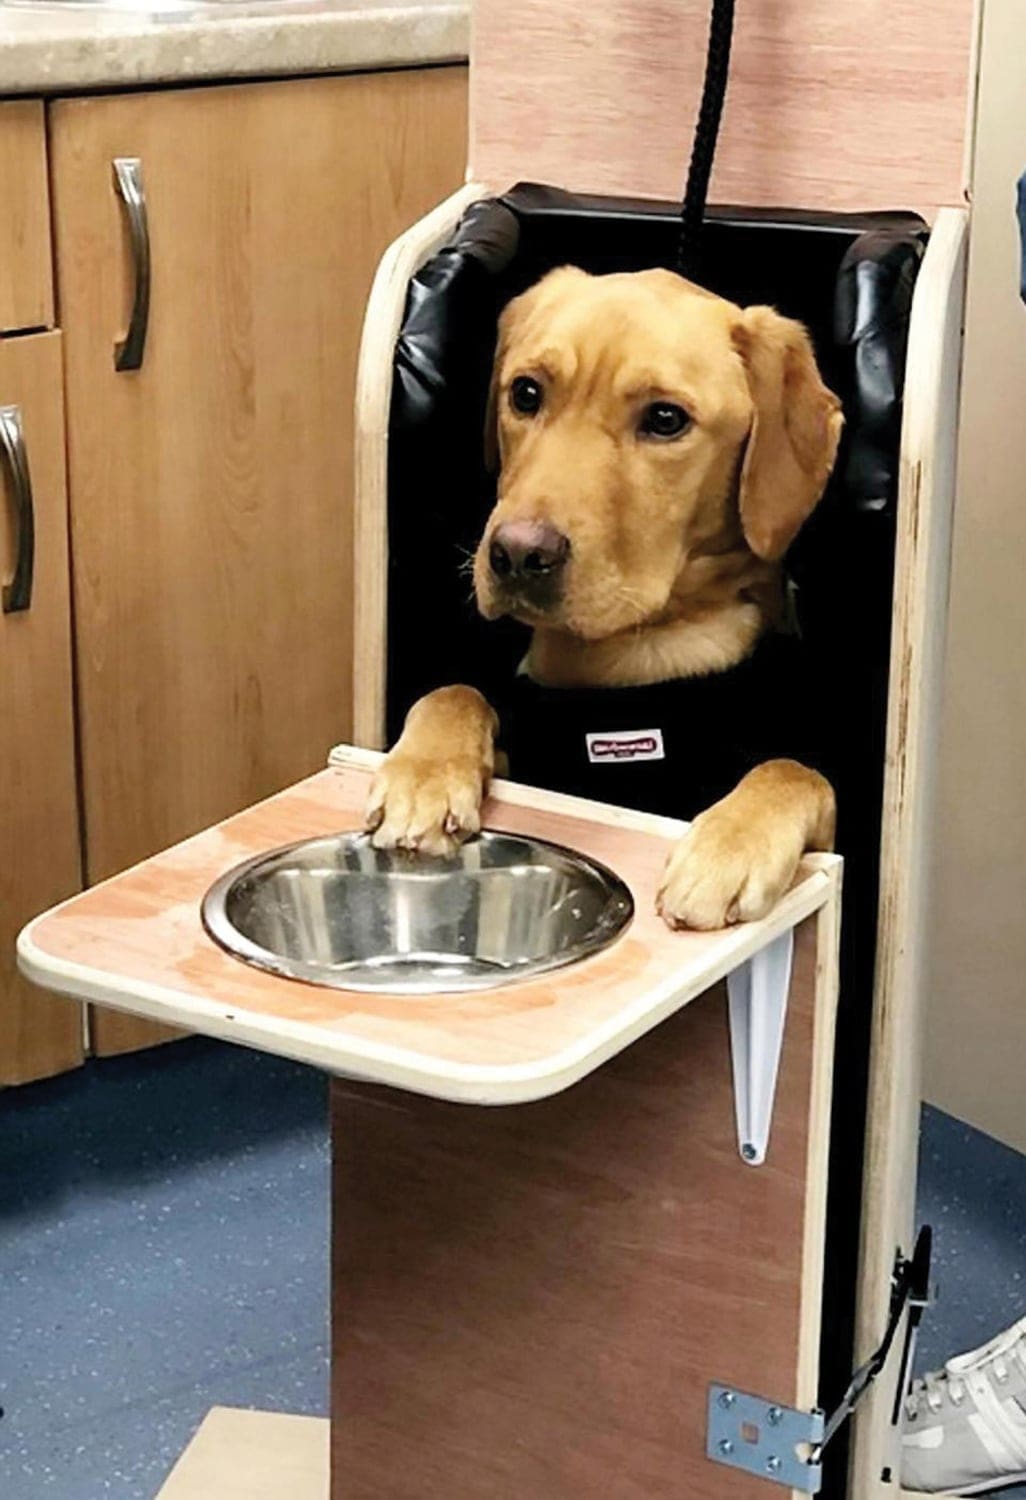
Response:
column 128, row 352
column 17, row 594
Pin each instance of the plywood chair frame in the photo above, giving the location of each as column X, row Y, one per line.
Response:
column 925, row 504
column 838, row 168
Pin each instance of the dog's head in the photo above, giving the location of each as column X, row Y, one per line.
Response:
column 640, row 423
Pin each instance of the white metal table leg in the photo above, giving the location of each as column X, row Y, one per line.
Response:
column 758, row 993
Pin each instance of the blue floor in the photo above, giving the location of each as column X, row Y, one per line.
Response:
column 973, row 1191
column 163, row 1249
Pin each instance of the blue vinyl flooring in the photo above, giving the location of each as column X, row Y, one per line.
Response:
column 163, row 1249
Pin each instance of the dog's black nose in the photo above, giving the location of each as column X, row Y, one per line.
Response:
column 527, row 551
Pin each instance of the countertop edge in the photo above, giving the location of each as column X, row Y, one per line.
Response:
column 42, row 59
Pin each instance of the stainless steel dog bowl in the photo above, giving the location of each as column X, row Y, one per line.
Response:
column 336, row 911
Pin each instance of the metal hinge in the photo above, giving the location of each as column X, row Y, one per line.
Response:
column 765, row 1438
column 785, row 1445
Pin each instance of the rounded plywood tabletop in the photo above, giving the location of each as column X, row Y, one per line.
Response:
column 136, row 943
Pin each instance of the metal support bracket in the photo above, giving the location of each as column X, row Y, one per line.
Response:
column 761, row 1437
column 758, row 992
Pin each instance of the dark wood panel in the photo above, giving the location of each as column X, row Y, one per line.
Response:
column 532, row 1301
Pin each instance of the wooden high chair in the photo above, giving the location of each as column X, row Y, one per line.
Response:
column 829, row 124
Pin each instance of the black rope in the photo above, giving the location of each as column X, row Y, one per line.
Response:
column 717, row 67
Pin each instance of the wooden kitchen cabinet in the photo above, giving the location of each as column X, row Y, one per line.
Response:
column 26, row 277
column 39, row 843
column 211, row 489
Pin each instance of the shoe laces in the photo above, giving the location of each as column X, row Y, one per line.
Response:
column 929, row 1392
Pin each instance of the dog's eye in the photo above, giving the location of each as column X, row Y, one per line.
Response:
column 525, row 396
column 664, row 419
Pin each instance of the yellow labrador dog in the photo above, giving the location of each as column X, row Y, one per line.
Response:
column 660, row 448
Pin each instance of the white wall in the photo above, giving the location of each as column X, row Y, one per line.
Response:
column 975, row 1057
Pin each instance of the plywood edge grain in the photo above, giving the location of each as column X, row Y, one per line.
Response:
column 827, row 983
column 385, row 308
column 530, row 796
column 609, row 813
column 922, row 569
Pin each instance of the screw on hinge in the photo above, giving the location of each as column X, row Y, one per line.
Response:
column 726, row 1447
column 727, row 1399
column 773, row 1464
column 748, row 1151
column 774, row 1416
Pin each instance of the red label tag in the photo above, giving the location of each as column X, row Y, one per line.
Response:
column 625, row 744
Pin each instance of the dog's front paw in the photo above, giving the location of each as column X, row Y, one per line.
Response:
column 723, row 871
column 425, row 805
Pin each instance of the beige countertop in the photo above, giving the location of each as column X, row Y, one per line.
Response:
column 60, row 48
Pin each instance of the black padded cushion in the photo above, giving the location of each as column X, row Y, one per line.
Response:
column 850, row 280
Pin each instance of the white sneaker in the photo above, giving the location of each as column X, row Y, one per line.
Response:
column 965, row 1426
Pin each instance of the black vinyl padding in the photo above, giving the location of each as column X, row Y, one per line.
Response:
column 850, row 279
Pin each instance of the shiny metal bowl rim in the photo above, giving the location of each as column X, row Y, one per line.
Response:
column 214, row 917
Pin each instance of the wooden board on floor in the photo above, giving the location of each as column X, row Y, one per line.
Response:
column 534, row 1301
column 252, row 1455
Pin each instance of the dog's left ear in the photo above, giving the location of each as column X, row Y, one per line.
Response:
column 510, row 319
column 491, row 422
column 796, row 427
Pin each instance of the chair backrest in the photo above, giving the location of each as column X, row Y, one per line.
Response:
column 848, row 278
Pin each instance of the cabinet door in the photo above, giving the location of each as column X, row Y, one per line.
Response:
column 26, row 278
column 39, row 848
column 210, row 489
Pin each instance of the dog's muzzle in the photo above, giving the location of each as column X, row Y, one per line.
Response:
column 527, row 561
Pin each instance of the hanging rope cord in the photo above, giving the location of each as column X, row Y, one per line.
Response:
column 714, row 89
